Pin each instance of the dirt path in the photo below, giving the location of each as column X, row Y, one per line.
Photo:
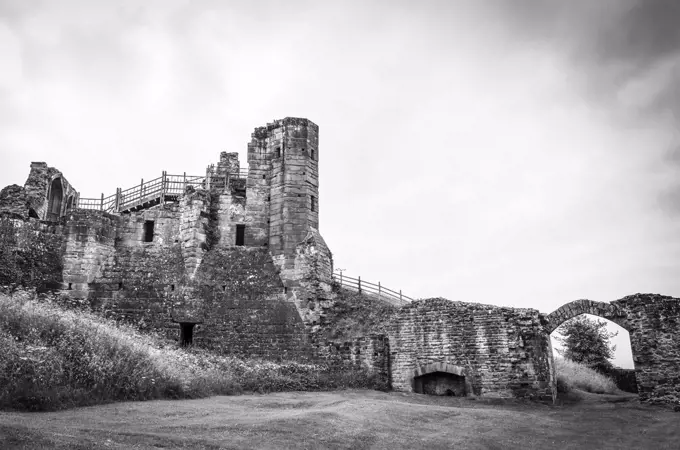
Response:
column 347, row 420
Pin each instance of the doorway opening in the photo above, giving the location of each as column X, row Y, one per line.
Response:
column 186, row 334
column 240, row 235
column 601, row 368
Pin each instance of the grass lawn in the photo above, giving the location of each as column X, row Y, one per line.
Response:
column 353, row 419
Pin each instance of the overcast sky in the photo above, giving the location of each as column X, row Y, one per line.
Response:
column 520, row 153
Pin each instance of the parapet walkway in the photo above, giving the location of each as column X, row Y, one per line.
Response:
column 159, row 190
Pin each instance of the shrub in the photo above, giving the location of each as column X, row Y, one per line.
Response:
column 587, row 341
column 573, row 375
column 56, row 358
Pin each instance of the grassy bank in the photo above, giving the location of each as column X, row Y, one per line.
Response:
column 573, row 375
column 55, row 358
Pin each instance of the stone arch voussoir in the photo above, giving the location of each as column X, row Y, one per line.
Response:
column 438, row 367
column 572, row 309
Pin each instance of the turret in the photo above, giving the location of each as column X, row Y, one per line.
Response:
column 283, row 185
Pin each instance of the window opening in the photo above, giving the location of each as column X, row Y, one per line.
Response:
column 313, row 203
column 120, row 286
column 69, row 204
column 240, row 234
column 311, row 154
column 172, row 287
column 70, row 286
column 278, row 152
column 148, row 231
column 186, row 334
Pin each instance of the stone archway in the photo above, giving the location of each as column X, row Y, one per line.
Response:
column 55, row 200
column 578, row 307
column 608, row 311
column 441, row 379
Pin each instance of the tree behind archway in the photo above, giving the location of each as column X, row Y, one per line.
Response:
column 587, row 341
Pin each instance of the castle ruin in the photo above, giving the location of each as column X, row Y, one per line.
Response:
column 232, row 260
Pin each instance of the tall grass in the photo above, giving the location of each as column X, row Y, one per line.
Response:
column 55, row 358
column 573, row 375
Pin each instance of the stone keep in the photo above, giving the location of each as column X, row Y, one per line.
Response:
column 228, row 260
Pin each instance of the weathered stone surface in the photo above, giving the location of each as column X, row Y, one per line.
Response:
column 13, row 201
column 501, row 352
column 46, row 195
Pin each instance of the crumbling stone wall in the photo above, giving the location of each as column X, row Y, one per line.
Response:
column 246, row 311
column 36, row 196
column 90, row 245
column 308, row 281
column 655, row 342
column 233, row 295
column 258, row 189
column 501, row 352
column 230, row 210
column 193, row 224
column 13, row 202
column 370, row 352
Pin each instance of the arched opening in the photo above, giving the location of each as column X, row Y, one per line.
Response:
column 440, row 383
column 441, row 378
column 571, row 372
column 56, row 198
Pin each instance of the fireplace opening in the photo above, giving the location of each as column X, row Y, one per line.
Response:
column 440, row 383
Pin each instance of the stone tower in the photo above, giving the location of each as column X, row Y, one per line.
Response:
column 283, row 185
column 282, row 209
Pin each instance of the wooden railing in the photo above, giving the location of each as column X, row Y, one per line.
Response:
column 373, row 289
column 166, row 187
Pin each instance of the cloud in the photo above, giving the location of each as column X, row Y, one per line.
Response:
column 614, row 44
